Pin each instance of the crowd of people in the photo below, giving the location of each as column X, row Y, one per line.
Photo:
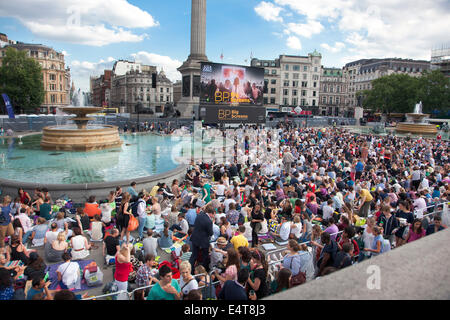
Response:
column 330, row 199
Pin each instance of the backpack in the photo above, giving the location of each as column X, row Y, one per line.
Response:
column 110, row 287
column 92, row 275
column 134, row 207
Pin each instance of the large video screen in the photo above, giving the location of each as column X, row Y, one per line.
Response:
column 234, row 85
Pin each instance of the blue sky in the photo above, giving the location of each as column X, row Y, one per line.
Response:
column 95, row 33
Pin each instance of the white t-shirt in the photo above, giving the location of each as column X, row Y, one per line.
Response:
column 227, row 203
column 184, row 226
column 70, row 272
column 297, row 230
column 51, row 236
column 193, row 285
column 220, row 190
column 285, row 230
column 327, row 212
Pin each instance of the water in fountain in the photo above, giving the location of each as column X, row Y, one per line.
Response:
column 418, row 108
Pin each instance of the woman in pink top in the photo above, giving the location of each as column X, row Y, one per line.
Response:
column 415, row 231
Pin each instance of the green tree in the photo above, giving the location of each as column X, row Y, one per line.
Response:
column 21, row 80
column 434, row 92
column 391, row 94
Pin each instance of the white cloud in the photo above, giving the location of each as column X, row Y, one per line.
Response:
column 168, row 64
column 268, row 11
column 373, row 28
column 338, row 46
column 315, row 9
column 294, row 43
column 306, row 30
column 87, row 22
column 81, row 71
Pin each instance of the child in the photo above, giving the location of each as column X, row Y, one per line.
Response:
column 185, row 252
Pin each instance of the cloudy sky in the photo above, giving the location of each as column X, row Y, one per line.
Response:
column 94, row 33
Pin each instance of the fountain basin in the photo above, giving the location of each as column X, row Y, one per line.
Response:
column 66, row 138
column 417, row 128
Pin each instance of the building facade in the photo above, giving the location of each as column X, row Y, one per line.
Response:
column 333, row 91
column 291, row 81
column 55, row 76
column 360, row 74
column 101, row 89
column 440, row 60
column 136, row 87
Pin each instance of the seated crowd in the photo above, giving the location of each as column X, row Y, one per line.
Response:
column 332, row 199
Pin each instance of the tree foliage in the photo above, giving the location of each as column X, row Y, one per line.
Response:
column 398, row 93
column 21, row 80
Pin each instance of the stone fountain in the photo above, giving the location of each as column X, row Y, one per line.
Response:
column 416, row 122
column 81, row 137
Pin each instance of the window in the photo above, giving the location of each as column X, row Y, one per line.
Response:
column 315, row 77
column 286, row 67
column 296, row 67
column 296, row 76
column 324, row 100
column 303, row 102
column 338, row 88
column 304, row 84
column 314, row 102
column 337, row 100
column 331, row 100
column 305, row 76
column 314, row 93
column 162, row 90
column 295, row 84
column 273, row 64
column 331, row 88
column 266, row 64
column 273, row 90
column 305, row 68
column 286, row 84
column 266, row 82
column 325, row 88
column 272, row 100
column 266, row 71
column 273, row 81
column 294, row 101
column 52, row 76
column 285, row 101
column 315, row 69
column 161, row 98
column 286, row 75
column 265, row 100
column 274, row 71
column 167, row 90
column 304, row 93
column 285, row 92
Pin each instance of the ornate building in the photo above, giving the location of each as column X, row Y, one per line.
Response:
column 55, row 76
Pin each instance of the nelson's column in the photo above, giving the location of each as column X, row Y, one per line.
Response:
column 190, row 69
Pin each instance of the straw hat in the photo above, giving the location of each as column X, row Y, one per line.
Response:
column 222, row 241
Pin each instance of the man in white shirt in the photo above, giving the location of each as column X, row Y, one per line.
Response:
column 51, row 234
column 229, row 200
column 284, row 232
column 69, row 273
column 327, row 211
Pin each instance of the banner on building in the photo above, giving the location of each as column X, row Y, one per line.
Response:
column 8, row 105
